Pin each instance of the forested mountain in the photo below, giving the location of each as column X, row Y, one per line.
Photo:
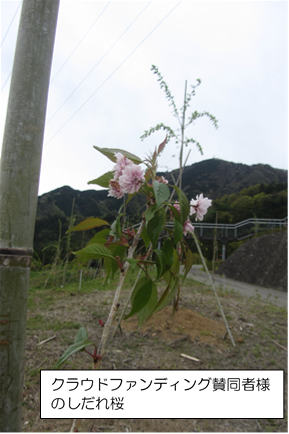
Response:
column 215, row 178
column 238, row 192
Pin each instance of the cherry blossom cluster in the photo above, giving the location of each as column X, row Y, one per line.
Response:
column 128, row 177
column 200, row 207
column 162, row 179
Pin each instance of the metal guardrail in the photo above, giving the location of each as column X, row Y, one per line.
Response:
column 235, row 232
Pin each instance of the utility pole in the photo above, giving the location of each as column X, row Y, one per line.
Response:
column 19, row 180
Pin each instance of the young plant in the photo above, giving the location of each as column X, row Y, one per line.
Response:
column 117, row 246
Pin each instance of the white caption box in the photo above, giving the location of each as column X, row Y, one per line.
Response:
column 209, row 394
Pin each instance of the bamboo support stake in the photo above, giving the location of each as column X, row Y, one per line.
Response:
column 214, row 289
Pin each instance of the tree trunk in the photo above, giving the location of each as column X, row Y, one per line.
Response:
column 19, row 179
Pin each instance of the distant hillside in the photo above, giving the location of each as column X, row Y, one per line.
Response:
column 214, row 178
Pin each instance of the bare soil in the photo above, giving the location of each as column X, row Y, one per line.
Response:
column 196, row 329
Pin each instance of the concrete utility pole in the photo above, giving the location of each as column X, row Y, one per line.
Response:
column 19, row 179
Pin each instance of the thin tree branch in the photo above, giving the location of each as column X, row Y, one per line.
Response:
column 114, row 307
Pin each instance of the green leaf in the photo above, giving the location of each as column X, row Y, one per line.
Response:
column 161, row 263
column 110, row 263
column 141, row 295
column 97, row 240
column 168, row 250
column 103, row 181
column 78, row 346
column 116, row 227
column 162, row 300
column 99, row 237
column 130, row 196
column 150, row 212
column 178, row 231
column 188, row 263
column 175, row 212
column 144, row 313
column 168, row 295
column 81, row 335
column 184, row 204
column 174, row 269
column 176, row 263
column 133, row 263
column 89, row 224
column 154, row 227
column 161, row 191
column 117, row 250
column 109, row 153
column 145, row 237
column 94, row 251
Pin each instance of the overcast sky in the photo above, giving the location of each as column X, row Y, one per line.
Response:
column 103, row 92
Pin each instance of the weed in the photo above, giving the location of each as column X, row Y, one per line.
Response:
column 205, row 333
column 256, row 351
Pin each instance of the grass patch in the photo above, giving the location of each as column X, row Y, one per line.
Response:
column 65, row 325
column 36, row 322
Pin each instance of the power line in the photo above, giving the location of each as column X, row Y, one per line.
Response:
column 80, row 42
column 10, row 24
column 6, row 81
column 112, row 73
column 98, row 63
column 70, row 53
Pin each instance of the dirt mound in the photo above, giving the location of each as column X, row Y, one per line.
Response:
column 183, row 324
column 261, row 261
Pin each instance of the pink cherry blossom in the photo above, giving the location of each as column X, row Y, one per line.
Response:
column 121, row 163
column 188, row 227
column 131, row 179
column 115, row 189
column 162, row 180
column 177, row 206
column 200, row 206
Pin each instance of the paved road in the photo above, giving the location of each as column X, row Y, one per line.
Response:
column 272, row 295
